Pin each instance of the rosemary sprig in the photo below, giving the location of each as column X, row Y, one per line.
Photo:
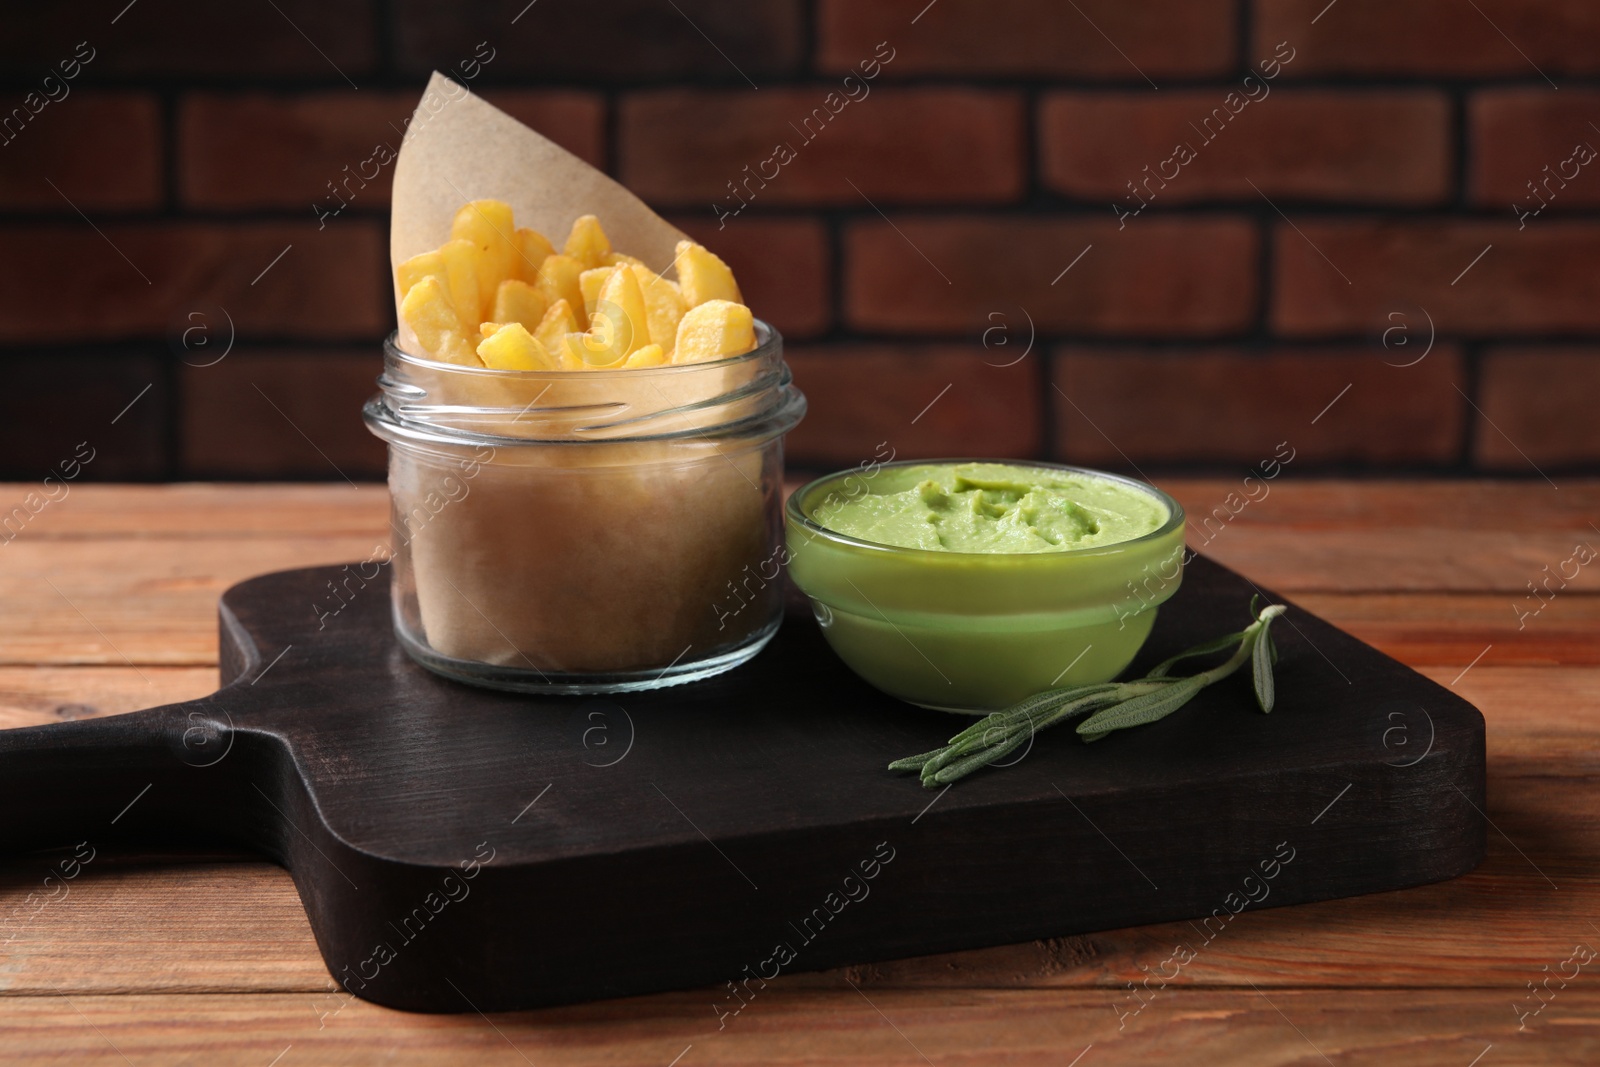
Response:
column 1109, row 705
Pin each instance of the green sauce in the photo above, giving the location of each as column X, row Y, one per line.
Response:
column 992, row 507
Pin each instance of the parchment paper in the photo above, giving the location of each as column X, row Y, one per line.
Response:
column 458, row 148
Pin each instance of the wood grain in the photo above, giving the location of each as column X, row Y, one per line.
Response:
column 33, row 696
column 135, row 933
column 220, row 510
column 1432, row 629
column 153, row 603
column 197, row 510
column 1269, row 1026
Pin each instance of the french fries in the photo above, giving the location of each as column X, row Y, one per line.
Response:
column 517, row 301
column 512, row 347
column 558, row 321
column 505, row 298
column 702, row 276
column 714, row 330
column 432, row 316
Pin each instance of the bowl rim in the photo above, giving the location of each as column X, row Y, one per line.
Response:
column 1176, row 517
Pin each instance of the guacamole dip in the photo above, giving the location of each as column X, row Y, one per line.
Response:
column 991, row 507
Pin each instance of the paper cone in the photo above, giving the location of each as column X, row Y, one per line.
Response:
column 460, row 148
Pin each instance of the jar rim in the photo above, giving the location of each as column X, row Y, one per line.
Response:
column 769, row 390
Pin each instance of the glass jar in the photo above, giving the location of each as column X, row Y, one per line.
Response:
column 589, row 531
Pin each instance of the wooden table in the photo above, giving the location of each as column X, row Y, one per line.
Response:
column 110, row 595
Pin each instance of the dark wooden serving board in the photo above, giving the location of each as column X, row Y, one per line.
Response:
column 459, row 849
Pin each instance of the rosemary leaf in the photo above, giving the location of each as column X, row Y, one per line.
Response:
column 1261, row 669
column 1220, row 644
column 965, row 767
column 914, row 763
column 1143, row 709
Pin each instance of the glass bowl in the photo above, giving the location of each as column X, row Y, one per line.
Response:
column 975, row 632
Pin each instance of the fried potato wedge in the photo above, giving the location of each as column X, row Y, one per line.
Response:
column 619, row 325
column 463, row 271
column 663, row 305
column 648, row 356
column 558, row 321
column 532, row 248
column 714, row 330
column 487, row 224
column 702, row 276
column 574, row 352
column 588, row 243
column 417, row 268
column 558, row 280
column 590, row 283
column 512, row 347
column 503, row 297
column 517, row 301
column 433, row 318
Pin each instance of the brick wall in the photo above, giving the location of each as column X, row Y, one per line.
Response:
column 1165, row 235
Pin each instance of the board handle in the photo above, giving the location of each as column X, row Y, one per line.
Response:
column 155, row 777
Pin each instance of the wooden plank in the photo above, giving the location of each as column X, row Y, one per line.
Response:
column 154, row 923
column 358, row 737
column 199, row 509
column 1341, row 503
column 1500, row 923
column 1427, row 629
column 116, row 602
column 1347, row 535
column 123, row 603
column 148, row 601
column 1525, row 743
column 32, row 696
column 1422, row 559
column 1535, row 716
column 1264, row 1027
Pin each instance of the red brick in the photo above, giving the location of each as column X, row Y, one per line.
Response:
column 781, row 266
column 1537, row 409
column 1032, row 37
column 1516, row 133
column 272, row 414
column 1157, row 277
column 1221, row 405
column 67, row 282
column 624, row 40
column 897, row 145
column 1307, row 144
column 1539, row 280
column 262, row 150
column 175, row 38
column 55, row 401
column 920, row 401
column 1419, row 38
column 103, row 150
